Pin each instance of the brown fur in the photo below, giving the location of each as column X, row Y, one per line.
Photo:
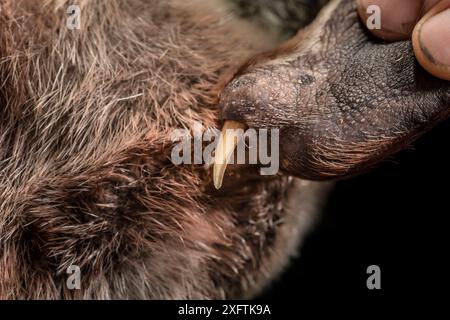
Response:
column 86, row 177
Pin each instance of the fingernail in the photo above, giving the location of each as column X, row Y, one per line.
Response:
column 435, row 38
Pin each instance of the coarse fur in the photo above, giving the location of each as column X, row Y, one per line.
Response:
column 86, row 177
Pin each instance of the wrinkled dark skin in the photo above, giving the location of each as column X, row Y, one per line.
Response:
column 343, row 102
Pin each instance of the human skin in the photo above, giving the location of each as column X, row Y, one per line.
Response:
column 427, row 22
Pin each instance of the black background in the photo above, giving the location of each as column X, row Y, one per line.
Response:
column 395, row 217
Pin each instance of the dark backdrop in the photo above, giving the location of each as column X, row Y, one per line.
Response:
column 396, row 217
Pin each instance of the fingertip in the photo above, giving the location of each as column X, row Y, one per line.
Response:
column 361, row 5
column 396, row 19
column 430, row 43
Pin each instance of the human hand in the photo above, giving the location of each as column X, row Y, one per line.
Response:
column 426, row 21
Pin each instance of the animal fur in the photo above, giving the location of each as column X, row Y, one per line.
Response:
column 86, row 177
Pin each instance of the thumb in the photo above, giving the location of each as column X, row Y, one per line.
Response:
column 431, row 40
